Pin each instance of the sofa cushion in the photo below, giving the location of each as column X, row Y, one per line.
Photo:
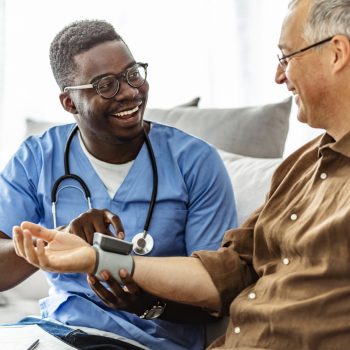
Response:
column 250, row 131
column 191, row 103
column 250, row 178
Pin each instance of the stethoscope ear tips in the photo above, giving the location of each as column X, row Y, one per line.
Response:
column 142, row 243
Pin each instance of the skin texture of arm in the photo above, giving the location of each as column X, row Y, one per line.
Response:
column 180, row 279
column 9, row 259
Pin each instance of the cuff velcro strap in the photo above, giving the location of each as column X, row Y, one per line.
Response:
column 112, row 262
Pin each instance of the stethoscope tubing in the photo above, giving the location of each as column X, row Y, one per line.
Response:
column 67, row 175
column 155, row 184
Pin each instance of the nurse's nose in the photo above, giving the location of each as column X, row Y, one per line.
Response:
column 126, row 91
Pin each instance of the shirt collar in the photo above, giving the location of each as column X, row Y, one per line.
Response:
column 341, row 146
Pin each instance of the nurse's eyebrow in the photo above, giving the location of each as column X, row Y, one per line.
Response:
column 98, row 77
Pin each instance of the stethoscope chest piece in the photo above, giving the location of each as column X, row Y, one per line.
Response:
column 142, row 243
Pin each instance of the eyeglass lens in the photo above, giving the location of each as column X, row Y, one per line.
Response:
column 108, row 86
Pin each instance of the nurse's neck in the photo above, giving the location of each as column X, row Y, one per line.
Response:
column 113, row 149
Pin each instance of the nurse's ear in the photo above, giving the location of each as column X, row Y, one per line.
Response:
column 67, row 103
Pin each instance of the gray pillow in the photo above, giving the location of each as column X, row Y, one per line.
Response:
column 250, row 131
column 192, row 103
column 250, row 178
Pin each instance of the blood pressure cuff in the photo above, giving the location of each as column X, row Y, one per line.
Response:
column 112, row 262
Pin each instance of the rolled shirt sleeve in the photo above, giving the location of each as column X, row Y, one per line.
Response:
column 230, row 267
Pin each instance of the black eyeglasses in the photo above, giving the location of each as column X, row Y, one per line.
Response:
column 108, row 86
column 284, row 59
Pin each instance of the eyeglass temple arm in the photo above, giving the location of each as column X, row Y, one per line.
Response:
column 78, row 87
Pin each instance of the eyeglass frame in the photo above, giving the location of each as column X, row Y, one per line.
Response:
column 283, row 60
column 123, row 74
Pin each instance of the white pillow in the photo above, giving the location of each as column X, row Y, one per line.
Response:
column 250, row 178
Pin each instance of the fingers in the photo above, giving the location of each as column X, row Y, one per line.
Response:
column 129, row 282
column 18, row 241
column 83, row 227
column 114, row 220
column 129, row 297
column 112, row 283
column 25, row 245
column 102, row 227
column 39, row 231
column 35, row 255
column 29, row 249
column 88, row 230
column 76, row 228
column 95, row 220
column 108, row 297
column 121, row 235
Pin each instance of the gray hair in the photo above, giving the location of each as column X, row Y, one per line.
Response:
column 327, row 18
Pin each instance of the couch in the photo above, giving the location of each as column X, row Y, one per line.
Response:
column 250, row 142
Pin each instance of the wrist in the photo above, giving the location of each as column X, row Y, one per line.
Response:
column 112, row 262
column 92, row 261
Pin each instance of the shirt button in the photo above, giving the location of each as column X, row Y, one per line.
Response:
column 237, row 330
column 251, row 296
column 293, row 217
column 323, row 176
column 285, row 261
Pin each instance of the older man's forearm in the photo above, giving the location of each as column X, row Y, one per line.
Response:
column 181, row 279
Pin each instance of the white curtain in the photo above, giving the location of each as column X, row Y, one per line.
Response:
column 2, row 56
column 223, row 51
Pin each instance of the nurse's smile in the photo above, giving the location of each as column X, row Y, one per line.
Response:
column 128, row 117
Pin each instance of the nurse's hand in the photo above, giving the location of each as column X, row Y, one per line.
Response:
column 95, row 220
column 131, row 298
column 53, row 250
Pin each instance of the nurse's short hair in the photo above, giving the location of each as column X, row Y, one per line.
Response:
column 74, row 39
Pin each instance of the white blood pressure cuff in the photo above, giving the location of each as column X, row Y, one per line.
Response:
column 112, row 262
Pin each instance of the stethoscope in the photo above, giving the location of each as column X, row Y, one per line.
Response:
column 142, row 242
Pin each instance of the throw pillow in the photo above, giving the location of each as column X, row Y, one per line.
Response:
column 250, row 178
column 192, row 103
column 250, row 131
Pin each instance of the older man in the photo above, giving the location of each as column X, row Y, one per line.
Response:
column 283, row 276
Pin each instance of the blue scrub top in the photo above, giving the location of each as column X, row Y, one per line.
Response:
column 194, row 207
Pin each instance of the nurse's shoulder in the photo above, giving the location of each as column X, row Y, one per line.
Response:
column 37, row 148
column 180, row 143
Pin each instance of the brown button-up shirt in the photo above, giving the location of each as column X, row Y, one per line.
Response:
column 284, row 275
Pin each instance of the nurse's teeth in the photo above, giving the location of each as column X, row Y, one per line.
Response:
column 122, row 114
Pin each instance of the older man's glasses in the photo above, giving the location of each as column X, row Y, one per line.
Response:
column 109, row 85
column 286, row 58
